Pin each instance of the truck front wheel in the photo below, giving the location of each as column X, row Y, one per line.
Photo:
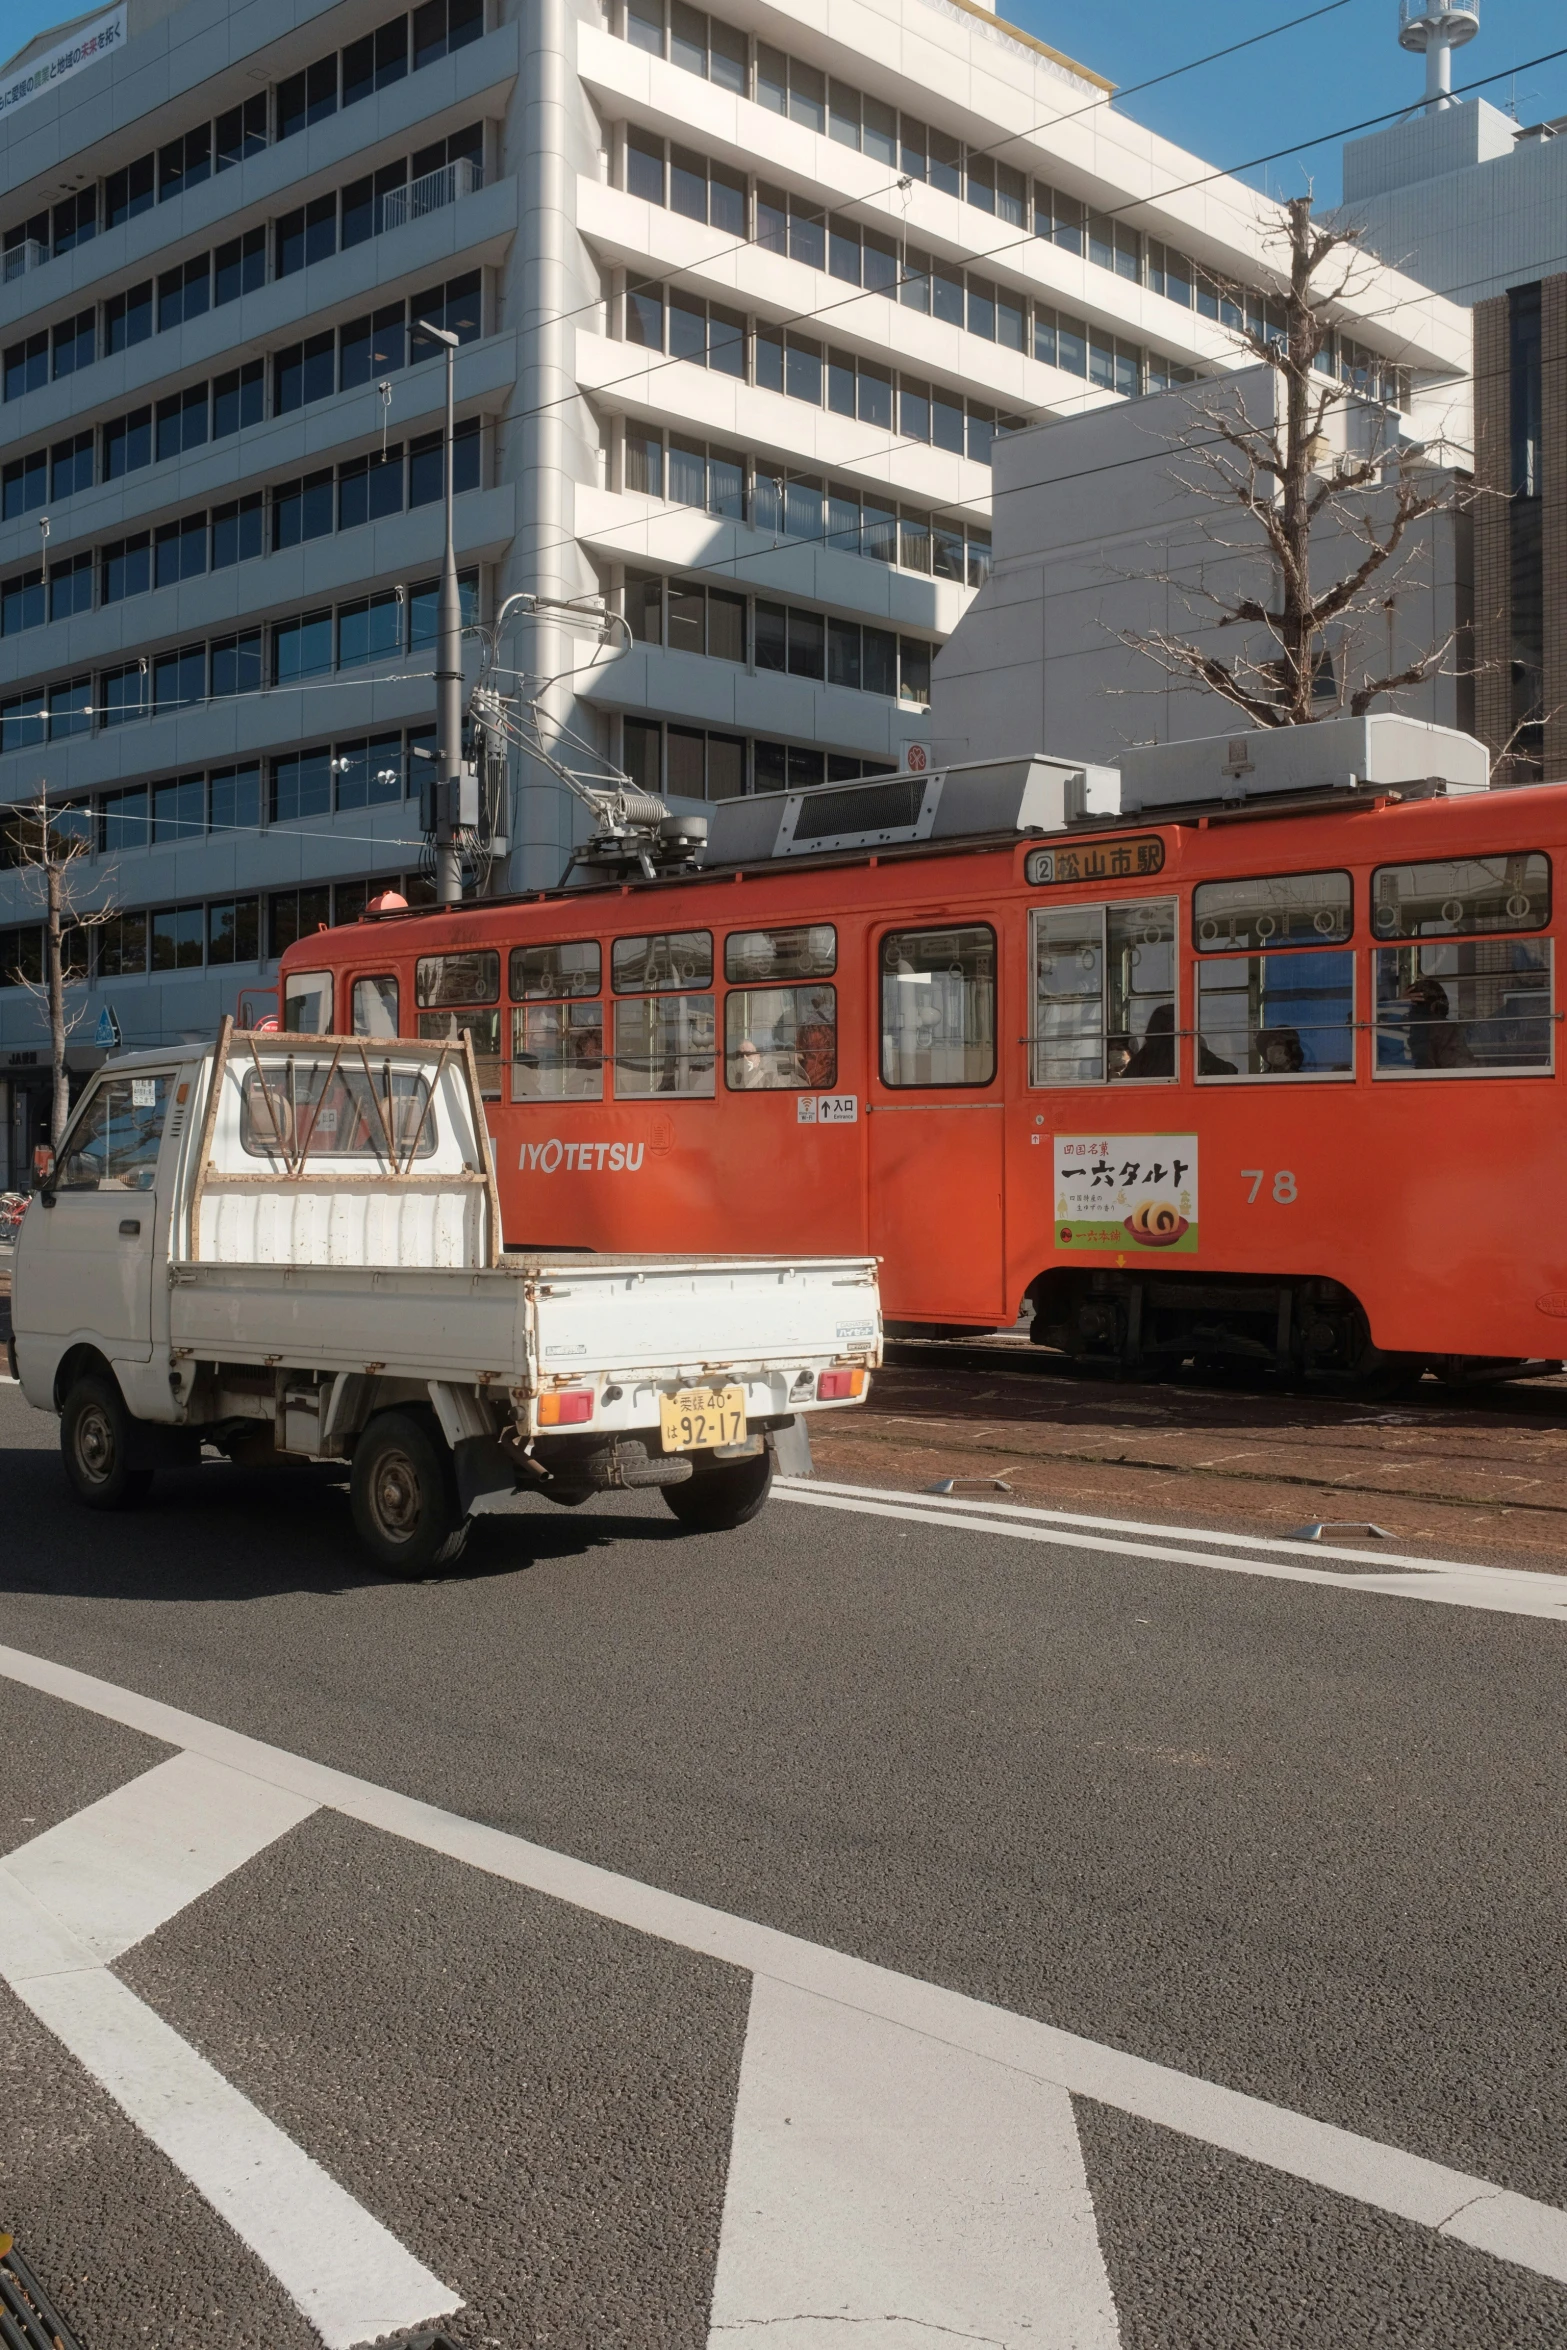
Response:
column 95, row 1444
column 403, row 1494
column 723, row 1494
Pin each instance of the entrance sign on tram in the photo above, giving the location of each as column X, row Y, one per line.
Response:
column 1126, row 1192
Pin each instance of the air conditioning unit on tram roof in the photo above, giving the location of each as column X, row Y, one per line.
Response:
column 1030, row 794
column 1336, row 754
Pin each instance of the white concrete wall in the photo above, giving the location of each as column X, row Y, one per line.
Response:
column 1100, row 534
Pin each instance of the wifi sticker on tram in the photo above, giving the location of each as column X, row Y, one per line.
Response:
column 1126, row 1193
column 1104, row 860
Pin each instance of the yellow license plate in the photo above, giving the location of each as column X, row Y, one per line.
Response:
column 701, row 1416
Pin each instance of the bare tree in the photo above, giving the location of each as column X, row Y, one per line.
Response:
column 45, row 844
column 1323, row 455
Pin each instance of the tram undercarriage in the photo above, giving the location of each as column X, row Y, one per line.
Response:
column 1300, row 1327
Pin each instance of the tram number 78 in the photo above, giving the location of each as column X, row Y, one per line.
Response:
column 1285, row 1189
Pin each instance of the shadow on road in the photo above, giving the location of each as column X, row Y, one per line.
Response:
column 220, row 1533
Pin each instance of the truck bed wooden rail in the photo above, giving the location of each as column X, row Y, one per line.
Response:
column 293, row 1150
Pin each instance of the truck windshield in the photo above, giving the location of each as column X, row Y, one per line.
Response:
column 295, row 1107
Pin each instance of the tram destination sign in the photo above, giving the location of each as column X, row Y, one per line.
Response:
column 1136, row 859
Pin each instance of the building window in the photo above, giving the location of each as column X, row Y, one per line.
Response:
column 301, row 786
column 236, row 530
column 70, row 587
column 180, row 550
column 127, row 318
column 239, row 397
column 301, row 647
column 182, row 421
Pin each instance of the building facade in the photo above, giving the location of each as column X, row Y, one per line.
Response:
column 745, row 303
column 1476, row 207
column 1106, row 532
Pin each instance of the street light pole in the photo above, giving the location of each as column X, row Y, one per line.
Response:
column 448, row 672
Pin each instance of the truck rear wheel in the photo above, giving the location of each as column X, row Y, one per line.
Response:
column 724, row 1494
column 95, row 1444
column 403, row 1494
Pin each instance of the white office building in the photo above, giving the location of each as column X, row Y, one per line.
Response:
column 744, row 301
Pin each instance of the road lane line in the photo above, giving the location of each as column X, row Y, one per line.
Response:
column 88, row 1890
column 1530, row 2234
column 945, row 1504
column 1506, row 1591
column 881, row 2179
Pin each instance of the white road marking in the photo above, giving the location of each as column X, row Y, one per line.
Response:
column 1455, row 2203
column 88, row 1890
column 1274, row 1544
column 114, row 1873
column 1507, row 1591
column 881, row 2179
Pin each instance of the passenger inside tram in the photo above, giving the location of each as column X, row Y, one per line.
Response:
column 1435, row 1040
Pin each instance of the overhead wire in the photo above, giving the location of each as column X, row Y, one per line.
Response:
column 857, row 294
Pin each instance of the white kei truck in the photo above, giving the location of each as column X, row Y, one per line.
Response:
column 289, row 1248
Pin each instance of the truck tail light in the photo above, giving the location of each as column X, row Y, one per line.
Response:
column 560, row 1411
column 832, row 1385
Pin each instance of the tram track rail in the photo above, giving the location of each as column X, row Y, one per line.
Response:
column 1479, row 1472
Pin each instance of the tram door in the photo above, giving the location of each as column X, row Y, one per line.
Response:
column 936, row 1125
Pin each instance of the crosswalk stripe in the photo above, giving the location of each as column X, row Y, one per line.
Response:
column 118, row 1870
column 1453, row 2203
column 88, row 1890
column 880, row 2179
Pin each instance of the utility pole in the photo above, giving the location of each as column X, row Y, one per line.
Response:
column 448, row 673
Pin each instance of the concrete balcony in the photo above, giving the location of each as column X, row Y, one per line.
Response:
column 472, row 233
column 341, row 425
column 651, row 535
column 433, row 102
column 628, row 381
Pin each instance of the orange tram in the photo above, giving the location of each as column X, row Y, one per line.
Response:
column 1274, row 1083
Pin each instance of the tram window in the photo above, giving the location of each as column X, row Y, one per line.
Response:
column 470, row 978
column 375, row 1006
column 1288, row 1015
column 307, row 1003
column 576, row 969
column 676, row 958
column 938, row 1007
column 664, row 1044
column 557, row 1052
column 1473, row 1008
column 810, row 953
column 1459, row 894
column 484, row 1027
column 1104, row 993
column 780, row 1039
column 1280, row 910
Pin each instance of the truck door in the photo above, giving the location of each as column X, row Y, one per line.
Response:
column 89, row 1273
column 936, row 1126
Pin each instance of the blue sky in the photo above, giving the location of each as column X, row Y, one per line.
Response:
column 1300, row 84
column 1292, row 88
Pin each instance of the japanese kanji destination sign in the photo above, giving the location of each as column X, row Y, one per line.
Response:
column 1133, row 859
column 1127, row 1192
column 83, row 45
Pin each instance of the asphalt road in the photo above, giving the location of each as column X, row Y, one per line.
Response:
column 1302, row 1842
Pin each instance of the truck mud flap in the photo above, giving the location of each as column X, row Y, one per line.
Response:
column 486, row 1478
column 792, row 1448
